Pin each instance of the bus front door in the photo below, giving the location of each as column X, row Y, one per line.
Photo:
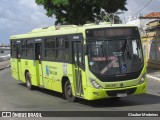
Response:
column 39, row 70
column 77, row 54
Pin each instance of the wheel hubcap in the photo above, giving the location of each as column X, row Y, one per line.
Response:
column 28, row 84
column 69, row 91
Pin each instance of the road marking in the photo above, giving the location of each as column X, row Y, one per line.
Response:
column 4, row 67
column 152, row 77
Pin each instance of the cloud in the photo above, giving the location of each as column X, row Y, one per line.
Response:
column 136, row 5
column 21, row 16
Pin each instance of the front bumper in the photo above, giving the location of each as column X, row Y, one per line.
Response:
column 94, row 94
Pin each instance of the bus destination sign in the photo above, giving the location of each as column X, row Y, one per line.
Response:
column 111, row 32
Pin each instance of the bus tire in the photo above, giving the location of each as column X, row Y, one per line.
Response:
column 68, row 92
column 28, row 81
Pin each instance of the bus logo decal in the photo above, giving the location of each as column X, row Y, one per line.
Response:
column 47, row 70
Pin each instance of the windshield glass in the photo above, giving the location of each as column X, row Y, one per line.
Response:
column 115, row 56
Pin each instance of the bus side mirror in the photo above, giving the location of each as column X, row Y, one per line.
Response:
column 85, row 49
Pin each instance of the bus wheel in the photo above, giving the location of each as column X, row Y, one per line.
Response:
column 28, row 81
column 68, row 92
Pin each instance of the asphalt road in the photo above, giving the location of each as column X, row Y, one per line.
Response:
column 14, row 96
column 4, row 64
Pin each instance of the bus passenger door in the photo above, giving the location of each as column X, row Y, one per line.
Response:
column 77, row 59
column 18, row 54
column 38, row 56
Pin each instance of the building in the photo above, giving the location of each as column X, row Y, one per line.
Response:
column 141, row 21
column 153, row 15
column 149, row 26
column 151, row 40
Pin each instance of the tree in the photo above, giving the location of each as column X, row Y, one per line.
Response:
column 79, row 11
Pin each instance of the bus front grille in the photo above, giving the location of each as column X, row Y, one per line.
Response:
column 114, row 93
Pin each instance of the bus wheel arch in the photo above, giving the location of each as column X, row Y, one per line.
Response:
column 67, row 89
column 26, row 72
column 28, row 80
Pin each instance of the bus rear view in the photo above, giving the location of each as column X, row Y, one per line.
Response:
column 115, row 62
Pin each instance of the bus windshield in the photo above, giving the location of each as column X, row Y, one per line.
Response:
column 115, row 56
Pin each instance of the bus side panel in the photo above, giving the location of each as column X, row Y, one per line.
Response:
column 70, row 75
column 14, row 68
column 32, row 70
column 20, row 69
column 58, row 74
column 52, row 74
column 37, row 74
column 30, row 65
column 23, row 70
column 84, row 84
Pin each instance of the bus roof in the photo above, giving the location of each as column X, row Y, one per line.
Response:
column 64, row 29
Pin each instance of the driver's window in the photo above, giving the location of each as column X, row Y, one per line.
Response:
column 134, row 46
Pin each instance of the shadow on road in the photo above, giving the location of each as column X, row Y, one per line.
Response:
column 145, row 99
column 45, row 91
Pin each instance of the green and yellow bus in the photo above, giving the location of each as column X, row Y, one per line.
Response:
column 93, row 61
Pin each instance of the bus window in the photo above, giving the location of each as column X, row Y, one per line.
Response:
column 67, row 54
column 13, row 49
column 50, row 52
column 18, row 51
column 29, row 49
column 23, row 52
column 62, row 48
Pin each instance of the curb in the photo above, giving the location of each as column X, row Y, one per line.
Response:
column 4, row 67
column 4, row 58
column 152, row 77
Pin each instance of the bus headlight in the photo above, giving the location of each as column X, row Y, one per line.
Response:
column 95, row 84
column 142, row 79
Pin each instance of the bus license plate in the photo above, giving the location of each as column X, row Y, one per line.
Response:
column 121, row 94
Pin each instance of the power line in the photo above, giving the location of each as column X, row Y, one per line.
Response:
column 143, row 7
column 135, row 9
column 140, row 4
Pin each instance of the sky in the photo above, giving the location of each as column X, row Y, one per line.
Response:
column 21, row 16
